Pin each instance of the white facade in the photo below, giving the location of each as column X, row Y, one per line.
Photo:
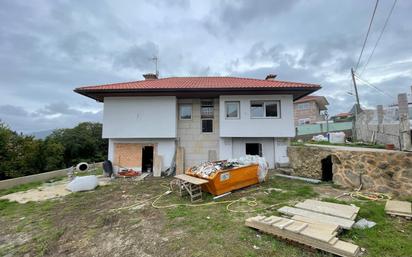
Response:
column 246, row 126
column 139, row 117
column 155, row 120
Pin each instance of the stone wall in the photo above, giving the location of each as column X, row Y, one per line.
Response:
column 198, row 146
column 378, row 170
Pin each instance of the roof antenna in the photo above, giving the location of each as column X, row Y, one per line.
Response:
column 155, row 59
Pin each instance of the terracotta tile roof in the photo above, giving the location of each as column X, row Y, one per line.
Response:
column 181, row 83
column 309, row 98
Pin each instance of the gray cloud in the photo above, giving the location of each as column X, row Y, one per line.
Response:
column 55, row 46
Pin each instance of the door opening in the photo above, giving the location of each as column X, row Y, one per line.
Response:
column 254, row 149
column 147, row 159
column 327, row 165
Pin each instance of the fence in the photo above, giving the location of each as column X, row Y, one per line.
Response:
column 309, row 129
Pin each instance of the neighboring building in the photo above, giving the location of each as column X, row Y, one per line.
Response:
column 211, row 118
column 308, row 109
column 342, row 117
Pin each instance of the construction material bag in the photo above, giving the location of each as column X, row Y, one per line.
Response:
column 85, row 183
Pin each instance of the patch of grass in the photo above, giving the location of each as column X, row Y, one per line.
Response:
column 19, row 188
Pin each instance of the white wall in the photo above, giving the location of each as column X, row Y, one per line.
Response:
column 139, row 117
column 268, row 148
column 273, row 149
column 165, row 148
column 254, row 127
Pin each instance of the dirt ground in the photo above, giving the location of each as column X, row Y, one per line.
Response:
column 93, row 223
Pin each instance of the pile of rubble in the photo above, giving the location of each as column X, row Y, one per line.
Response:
column 208, row 169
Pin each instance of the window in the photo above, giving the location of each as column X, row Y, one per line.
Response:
column 254, row 149
column 232, row 110
column 207, row 126
column 264, row 109
column 304, row 106
column 185, row 111
column 206, row 109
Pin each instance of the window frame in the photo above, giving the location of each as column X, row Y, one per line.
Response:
column 304, row 106
column 238, row 110
column 207, row 104
column 265, row 102
column 201, row 126
column 191, row 111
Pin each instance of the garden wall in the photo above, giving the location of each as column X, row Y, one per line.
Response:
column 378, row 170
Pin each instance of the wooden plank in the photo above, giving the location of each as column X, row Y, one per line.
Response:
column 402, row 207
column 335, row 246
column 333, row 209
column 192, row 180
column 343, row 223
column 331, row 228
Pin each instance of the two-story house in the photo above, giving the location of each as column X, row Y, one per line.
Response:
column 308, row 109
column 211, row 118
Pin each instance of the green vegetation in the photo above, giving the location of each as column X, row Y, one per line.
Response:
column 22, row 155
column 82, row 223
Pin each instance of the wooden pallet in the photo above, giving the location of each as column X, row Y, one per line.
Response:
column 191, row 186
column 308, row 234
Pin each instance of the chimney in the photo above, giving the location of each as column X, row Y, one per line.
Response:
column 270, row 77
column 150, row 76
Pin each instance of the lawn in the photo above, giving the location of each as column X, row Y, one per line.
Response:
column 96, row 223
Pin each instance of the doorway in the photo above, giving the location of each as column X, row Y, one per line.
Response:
column 327, row 166
column 147, row 159
column 254, row 149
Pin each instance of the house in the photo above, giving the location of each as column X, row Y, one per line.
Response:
column 308, row 109
column 342, row 117
column 149, row 123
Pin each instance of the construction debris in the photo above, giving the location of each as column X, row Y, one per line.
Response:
column 364, row 223
column 341, row 215
column 85, row 183
column 399, row 208
column 208, row 169
column 309, row 234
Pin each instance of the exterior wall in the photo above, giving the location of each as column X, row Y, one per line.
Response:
column 246, row 126
column 197, row 145
column 273, row 149
column 139, row 117
column 379, row 170
column 164, row 148
column 313, row 113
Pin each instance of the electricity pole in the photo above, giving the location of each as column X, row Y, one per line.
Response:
column 356, row 91
column 357, row 106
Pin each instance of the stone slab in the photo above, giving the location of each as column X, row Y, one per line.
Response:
column 398, row 207
column 343, row 223
column 334, row 209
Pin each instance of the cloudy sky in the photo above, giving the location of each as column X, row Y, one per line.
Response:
column 47, row 48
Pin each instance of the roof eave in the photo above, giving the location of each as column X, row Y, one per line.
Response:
column 99, row 95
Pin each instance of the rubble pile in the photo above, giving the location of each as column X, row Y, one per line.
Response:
column 208, row 169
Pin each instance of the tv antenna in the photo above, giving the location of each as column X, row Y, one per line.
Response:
column 155, row 59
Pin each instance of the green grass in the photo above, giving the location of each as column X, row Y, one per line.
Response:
column 355, row 144
column 83, row 218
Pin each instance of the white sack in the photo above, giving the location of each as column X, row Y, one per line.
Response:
column 85, row 183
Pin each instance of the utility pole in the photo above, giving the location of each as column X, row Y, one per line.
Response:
column 357, row 106
column 356, row 91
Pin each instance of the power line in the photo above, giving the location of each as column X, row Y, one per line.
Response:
column 373, row 86
column 380, row 36
column 367, row 34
